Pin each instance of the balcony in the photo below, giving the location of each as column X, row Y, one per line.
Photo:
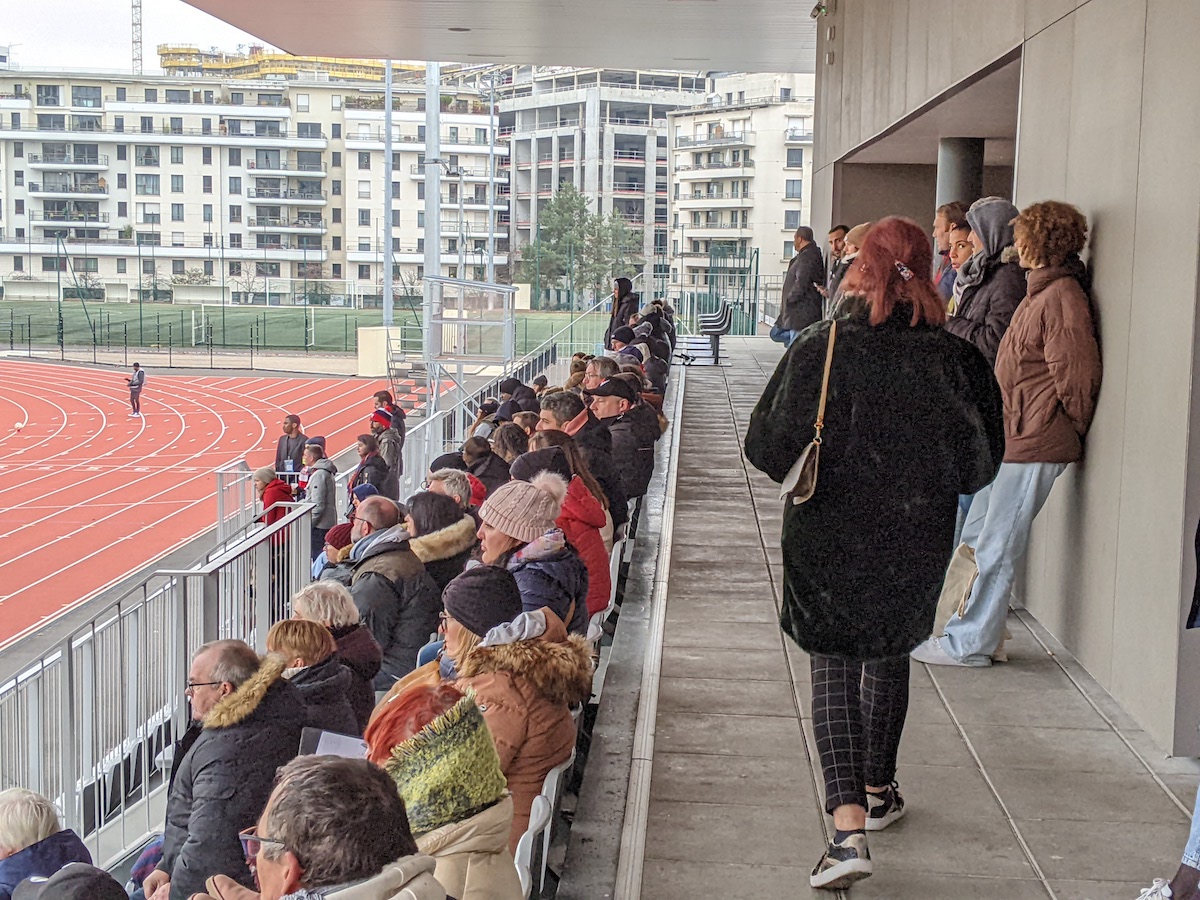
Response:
column 289, row 245
column 720, row 199
column 798, row 136
column 67, row 190
column 52, row 219
column 134, row 128
column 740, row 139
column 91, row 163
column 286, row 225
column 418, row 172
column 628, row 187
column 726, row 169
column 279, row 195
column 636, row 156
column 286, row 166
column 697, row 231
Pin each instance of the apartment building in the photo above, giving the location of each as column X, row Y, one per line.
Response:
column 604, row 131
column 260, row 186
column 740, row 176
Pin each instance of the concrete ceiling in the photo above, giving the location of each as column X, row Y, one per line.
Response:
column 693, row 35
column 984, row 108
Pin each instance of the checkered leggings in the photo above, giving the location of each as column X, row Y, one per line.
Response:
column 858, row 716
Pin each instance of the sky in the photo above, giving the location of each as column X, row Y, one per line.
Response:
column 95, row 34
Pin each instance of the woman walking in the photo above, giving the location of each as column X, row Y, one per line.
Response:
column 912, row 420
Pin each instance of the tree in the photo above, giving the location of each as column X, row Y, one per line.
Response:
column 192, row 276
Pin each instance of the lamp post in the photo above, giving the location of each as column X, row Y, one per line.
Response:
column 491, row 193
column 58, row 267
column 387, row 195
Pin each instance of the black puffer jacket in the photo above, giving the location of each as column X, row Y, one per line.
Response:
column 445, row 552
column 595, row 442
column 326, row 689
column 802, row 303
column 491, row 470
column 622, row 310
column 397, row 600
column 372, row 470
column 361, row 654
column 221, row 785
column 986, row 309
column 634, row 433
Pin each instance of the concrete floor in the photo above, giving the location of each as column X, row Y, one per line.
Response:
column 1024, row 780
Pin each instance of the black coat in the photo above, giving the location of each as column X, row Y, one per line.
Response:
column 492, row 470
column 398, row 602
column 801, row 303
column 913, row 420
column 985, row 310
column 595, row 442
column 222, row 783
column 634, row 434
column 361, row 655
column 373, row 469
column 325, row 689
column 622, row 310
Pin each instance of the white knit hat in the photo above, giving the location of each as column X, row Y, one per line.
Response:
column 525, row 510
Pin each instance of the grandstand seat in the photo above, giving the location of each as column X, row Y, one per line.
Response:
column 530, row 848
column 552, row 789
column 716, row 326
column 595, row 629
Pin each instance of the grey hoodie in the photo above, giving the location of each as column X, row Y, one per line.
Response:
column 322, row 493
column 991, row 220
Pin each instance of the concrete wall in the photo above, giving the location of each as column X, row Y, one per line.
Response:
column 1110, row 570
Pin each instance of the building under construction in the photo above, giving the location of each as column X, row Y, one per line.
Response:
column 258, row 62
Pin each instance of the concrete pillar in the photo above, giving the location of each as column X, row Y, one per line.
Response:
column 959, row 170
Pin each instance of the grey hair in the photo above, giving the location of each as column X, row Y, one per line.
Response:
column 342, row 819
column 25, row 819
column 326, row 602
column 605, row 366
column 564, row 406
column 457, row 484
column 235, row 663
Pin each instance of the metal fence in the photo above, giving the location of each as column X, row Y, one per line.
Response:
column 235, row 499
column 87, row 722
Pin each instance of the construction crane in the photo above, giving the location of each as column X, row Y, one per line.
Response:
column 137, row 37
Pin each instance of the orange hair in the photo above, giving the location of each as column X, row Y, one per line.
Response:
column 406, row 715
column 893, row 267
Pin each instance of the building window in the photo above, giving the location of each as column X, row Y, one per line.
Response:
column 145, row 156
column 337, row 242
column 177, row 156
column 145, row 184
column 236, row 98
column 208, row 239
column 267, row 269
column 364, row 273
column 420, row 190
column 791, row 219
column 235, row 214
column 176, row 212
column 207, row 184
column 151, row 95
column 794, row 189
column 121, row 94
column 54, row 264
column 47, row 95
column 364, row 189
column 148, row 267
column 19, row 207
column 335, row 131
column 481, row 136
column 337, row 270
column 789, row 249
column 177, row 267
column 795, row 158
column 364, row 217
column 121, row 265
column 18, row 149
column 206, row 155
column 176, row 184
column 208, row 267
column 18, row 178
column 146, row 124
column 207, row 212
column 122, row 209
column 18, row 264
column 177, row 239
column 235, row 241
column 122, row 180
column 785, row 94
column 395, row 218
column 122, row 151
column 235, row 156
column 395, row 190
column 337, row 159
column 335, row 187
column 235, row 269
column 235, row 184
column 420, row 218
column 308, row 129
column 364, row 159
column 364, row 245
column 301, row 102
column 337, row 215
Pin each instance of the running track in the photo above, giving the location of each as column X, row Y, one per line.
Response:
column 89, row 494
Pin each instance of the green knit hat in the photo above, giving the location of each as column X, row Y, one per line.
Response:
column 449, row 770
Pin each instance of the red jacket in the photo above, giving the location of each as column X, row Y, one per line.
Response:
column 581, row 520
column 278, row 491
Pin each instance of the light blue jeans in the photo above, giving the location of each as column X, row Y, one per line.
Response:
column 998, row 528
column 1191, row 851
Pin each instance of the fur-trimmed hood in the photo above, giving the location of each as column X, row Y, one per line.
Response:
column 557, row 666
column 445, row 542
column 238, row 706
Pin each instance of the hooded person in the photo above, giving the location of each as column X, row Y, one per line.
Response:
column 331, row 605
column 625, row 304
column 441, row 535
column 520, row 533
column 32, row 840
column 526, row 399
column 484, row 464
column 320, row 491
column 485, row 419
column 508, row 386
column 525, row 672
column 434, row 742
column 313, row 666
column 582, row 519
column 991, row 284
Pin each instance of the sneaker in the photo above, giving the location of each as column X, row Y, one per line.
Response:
column 932, row 653
column 843, row 864
column 1160, row 890
column 884, row 808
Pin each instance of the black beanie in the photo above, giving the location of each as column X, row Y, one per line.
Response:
column 548, row 459
column 624, row 334
column 481, row 598
column 448, row 461
column 508, row 385
column 507, row 410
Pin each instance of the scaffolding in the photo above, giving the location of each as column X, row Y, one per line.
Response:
column 259, row 62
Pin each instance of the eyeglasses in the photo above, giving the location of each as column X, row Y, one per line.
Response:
column 252, row 843
column 192, row 685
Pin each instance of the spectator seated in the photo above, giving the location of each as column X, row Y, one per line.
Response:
column 310, row 654
column 32, row 841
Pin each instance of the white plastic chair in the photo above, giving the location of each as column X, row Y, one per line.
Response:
column 552, row 793
column 539, row 823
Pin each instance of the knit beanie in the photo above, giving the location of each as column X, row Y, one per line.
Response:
column 548, row 459
column 317, row 441
column 339, row 536
column 266, row 475
column 481, row 598
column 525, row 510
column 508, row 385
column 363, row 491
column 624, row 334
column 382, row 417
column 449, row 770
column 506, row 410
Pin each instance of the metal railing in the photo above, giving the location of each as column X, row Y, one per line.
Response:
column 87, row 722
column 66, row 159
column 281, row 194
column 37, row 187
column 740, row 137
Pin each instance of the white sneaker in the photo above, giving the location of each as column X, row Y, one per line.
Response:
column 932, row 653
column 843, row 864
column 1160, row 890
column 885, row 808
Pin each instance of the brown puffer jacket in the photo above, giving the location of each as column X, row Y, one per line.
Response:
column 524, row 690
column 1048, row 368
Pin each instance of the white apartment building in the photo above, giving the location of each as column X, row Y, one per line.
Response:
column 740, row 177
column 259, row 186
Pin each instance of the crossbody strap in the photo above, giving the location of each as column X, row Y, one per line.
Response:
column 820, row 423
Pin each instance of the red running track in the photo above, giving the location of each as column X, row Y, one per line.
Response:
column 89, row 494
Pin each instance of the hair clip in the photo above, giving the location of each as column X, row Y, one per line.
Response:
column 905, row 271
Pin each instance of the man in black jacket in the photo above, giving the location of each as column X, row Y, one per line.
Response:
column 398, row 601
column 251, row 718
column 564, row 411
column 801, row 304
column 634, row 429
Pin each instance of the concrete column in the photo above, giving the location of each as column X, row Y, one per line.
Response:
column 959, row 170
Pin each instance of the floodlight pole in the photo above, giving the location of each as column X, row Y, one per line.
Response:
column 433, row 222
column 491, row 193
column 387, row 195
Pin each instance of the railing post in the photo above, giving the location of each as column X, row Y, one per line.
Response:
column 66, row 736
column 261, row 583
column 210, row 607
